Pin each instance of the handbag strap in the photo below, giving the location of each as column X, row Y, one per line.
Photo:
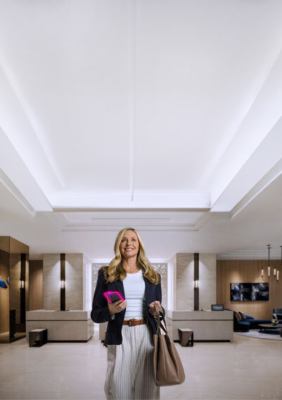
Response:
column 159, row 323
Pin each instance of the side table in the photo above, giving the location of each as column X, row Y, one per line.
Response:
column 38, row 337
column 186, row 337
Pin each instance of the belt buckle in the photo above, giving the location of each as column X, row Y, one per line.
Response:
column 132, row 319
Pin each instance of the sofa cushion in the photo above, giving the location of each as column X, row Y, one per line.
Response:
column 237, row 316
column 243, row 316
column 249, row 317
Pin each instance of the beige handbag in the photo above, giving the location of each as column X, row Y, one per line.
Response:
column 168, row 369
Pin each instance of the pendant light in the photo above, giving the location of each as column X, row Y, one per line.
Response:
column 277, row 276
column 268, row 268
column 262, row 270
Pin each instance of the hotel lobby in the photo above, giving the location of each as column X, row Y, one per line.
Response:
column 163, row 116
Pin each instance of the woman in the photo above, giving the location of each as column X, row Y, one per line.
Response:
column 129, row 337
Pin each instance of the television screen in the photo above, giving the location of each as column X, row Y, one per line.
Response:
column 249, row 292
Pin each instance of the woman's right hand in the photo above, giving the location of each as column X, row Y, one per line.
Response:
column 117, row 307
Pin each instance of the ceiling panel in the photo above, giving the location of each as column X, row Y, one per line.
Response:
column 140, row 220
column 69, row 65
column 199, row 67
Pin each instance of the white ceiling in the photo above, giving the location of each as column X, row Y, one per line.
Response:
column 162, row 115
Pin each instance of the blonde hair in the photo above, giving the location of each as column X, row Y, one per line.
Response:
column 116, row 271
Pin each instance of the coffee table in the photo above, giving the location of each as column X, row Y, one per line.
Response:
column 265, row 327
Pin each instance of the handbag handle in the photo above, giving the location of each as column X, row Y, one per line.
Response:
column 159, row 324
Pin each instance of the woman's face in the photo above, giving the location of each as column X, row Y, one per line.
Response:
column 129, row 245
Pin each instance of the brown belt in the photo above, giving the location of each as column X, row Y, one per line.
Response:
column 134, row 322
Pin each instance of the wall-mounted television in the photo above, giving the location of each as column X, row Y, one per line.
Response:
column 249, row 292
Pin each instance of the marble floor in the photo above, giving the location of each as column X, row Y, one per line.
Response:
column 5, row 337
column 245, row 369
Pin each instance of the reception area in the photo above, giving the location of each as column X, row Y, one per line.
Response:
column 64, row 349
column 163, row 117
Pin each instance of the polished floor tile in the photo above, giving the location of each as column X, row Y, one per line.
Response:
column 245, row 369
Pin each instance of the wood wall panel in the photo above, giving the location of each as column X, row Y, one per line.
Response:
column 35, row 285
column 244, row 271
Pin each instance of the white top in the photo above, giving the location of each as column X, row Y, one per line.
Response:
column 134, row 290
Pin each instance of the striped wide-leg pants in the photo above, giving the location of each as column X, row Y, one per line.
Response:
column 130, row 366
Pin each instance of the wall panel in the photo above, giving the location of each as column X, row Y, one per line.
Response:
column 207, row 279
column 74, row 281
column 4, row 293
column 184, row 290
column 248, row 271
column 51, row 281
column 36, row 284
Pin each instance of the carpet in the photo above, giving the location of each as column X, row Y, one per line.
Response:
column 254, row 333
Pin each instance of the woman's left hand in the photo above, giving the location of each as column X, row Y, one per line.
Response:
column 155, row 308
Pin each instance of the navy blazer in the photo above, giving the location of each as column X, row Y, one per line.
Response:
column 100, row 309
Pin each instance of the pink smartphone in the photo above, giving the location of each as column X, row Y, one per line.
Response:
column 112, row 297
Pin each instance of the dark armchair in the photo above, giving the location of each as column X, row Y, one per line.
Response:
column 277, row 314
